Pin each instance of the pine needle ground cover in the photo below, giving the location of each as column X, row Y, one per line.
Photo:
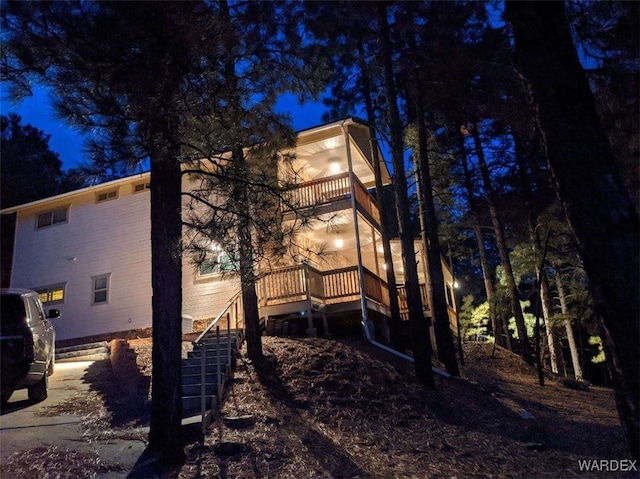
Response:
column 344, row 409
column 317, row 408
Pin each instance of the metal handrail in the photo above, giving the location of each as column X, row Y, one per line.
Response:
column 213, row 323
column 203, row 353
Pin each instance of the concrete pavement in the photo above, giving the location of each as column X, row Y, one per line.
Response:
column 21, row 426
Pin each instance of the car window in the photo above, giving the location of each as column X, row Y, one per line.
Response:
column 12, row 311
column 36, row 310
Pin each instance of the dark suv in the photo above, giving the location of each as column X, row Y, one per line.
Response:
column 27, row 344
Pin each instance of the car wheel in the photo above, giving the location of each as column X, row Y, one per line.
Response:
column 38, row 392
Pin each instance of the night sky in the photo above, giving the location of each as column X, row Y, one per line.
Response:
column 67, row 142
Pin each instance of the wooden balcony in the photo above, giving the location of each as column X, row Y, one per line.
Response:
column 321, row 289
column 325, row 191
column 402, row 301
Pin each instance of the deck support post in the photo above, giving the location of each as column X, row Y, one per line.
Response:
column 311, row 332
column 325, row 325
column 386, row 332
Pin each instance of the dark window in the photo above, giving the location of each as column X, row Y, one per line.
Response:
column 449, row 295
column 100, row 289
column 53, row 217
column 12, row 311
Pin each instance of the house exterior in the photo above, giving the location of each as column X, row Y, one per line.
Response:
column 88, row 252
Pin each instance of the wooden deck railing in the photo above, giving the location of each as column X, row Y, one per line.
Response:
column 366, row 201
column 283, row 286
column 341, row 284
column 402, row 300
column 327, row 190
column 300, row 282
column 376, row 288
column 318, row 192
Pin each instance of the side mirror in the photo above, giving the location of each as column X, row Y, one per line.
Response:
column 53, row 313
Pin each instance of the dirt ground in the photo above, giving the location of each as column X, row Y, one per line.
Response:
column 344, row 409
column 319, row 408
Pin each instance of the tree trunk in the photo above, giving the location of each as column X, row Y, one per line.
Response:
column 571, row 339
column 249, row 295
column 500, row 331
column 420, row 328
column 388, row 259
column 429, row 220
column 246, row 260
column 431, row 242
column 250, row 298
column 545, row 298
column 600, row 212
column 165, row 435
column 242, row 206
column 502, row 249
column 555, row 356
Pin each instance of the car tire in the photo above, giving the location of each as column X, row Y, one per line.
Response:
column 39, row 391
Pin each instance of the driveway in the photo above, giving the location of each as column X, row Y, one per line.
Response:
column 23, row 427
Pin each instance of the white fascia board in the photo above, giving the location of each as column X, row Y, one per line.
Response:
column 102, row 186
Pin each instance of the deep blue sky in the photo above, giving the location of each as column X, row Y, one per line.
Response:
column 66, row 141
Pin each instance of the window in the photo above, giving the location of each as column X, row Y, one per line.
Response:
column 100, row 289
column 220, row 263
column 51, row 294
column 140, row 187
column 106, row 196
column 37, row 314
column 53, row 217
column 449, row 295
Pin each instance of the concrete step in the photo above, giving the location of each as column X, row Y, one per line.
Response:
column 210, row 389
column 193, row 365
column 210, row 356
column 78, row 347
column 223, row 349
column 82, row 351
column 216, row 351
column 194, row 377
column 191, row 404
column 210, row 338
column 220, row 350
column 85, row 357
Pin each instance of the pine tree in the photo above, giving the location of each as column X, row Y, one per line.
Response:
column 599, row 209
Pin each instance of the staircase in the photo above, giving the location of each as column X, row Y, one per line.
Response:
column 210, row 363
column 207, row 369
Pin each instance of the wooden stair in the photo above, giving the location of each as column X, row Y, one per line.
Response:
column 220, row 349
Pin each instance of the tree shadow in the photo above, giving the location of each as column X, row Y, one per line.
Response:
column 124, row 392
column 330, row 456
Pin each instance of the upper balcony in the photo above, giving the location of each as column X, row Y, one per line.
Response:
column 333, row 191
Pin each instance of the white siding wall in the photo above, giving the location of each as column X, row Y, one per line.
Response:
column 112, row 237
column 204, row 297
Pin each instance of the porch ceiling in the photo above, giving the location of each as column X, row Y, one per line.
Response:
column 335, row 232
column 328, row 157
